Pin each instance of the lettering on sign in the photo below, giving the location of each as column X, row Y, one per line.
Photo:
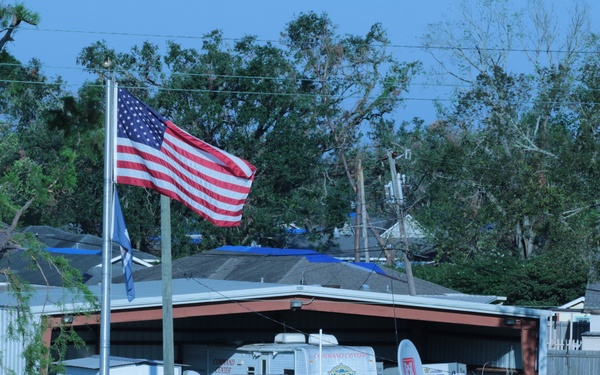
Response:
column 340, row 355
column 409, row 366
column 224, row 364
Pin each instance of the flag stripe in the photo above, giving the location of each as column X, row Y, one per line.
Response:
column 226, row 188
column 218, row 216
column 154, row 153
column 195, row 147
column 153, row 179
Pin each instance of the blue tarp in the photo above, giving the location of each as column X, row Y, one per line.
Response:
column 310, row 255
column 268, row 250
column 70, row 250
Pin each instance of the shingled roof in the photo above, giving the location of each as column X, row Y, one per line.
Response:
column 83, row 251
column 297, row 267
column 592, row 297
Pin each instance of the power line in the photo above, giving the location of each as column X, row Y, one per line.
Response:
column 390, row 45
column 313, row 95
column 230, row 76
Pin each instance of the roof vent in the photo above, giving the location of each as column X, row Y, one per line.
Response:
column 327, row 340
column 290, row 338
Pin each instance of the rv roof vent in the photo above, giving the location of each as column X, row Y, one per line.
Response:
column 290, row 338
column 327, row 340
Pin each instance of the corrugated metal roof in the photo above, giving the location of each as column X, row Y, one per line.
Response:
column 199, row 291
column 192, row 290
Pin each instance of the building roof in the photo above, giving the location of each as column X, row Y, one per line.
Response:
column 298, row 267
column 192, row 290
column 592, row 297
column 341, row 244
column 575, row 304
column 201, row 297
column 233, row 263
column 83, row 251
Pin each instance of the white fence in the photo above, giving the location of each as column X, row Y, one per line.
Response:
column 566, row 335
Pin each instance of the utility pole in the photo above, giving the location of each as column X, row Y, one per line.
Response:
column 358, row 210
column 363, row 211
column 399, row 203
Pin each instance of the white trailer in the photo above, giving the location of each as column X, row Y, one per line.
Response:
column 290, row 354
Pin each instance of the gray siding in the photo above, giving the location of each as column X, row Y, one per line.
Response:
column 562, row 362
column 10, row 350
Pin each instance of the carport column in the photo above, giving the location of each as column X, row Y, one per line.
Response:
column 47, row 338
column 529, row 346
column 543, row 345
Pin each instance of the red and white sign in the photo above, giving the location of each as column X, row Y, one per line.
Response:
column 409, row 361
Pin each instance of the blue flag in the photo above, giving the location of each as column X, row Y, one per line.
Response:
column 120, row 236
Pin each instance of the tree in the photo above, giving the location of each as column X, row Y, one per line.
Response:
column 30, row 183
column 36, row 170
column 270, row 106
column 11, row 17
column 357, row 84
column 498, row 171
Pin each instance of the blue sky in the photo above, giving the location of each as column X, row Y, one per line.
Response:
column 127, row 22
column 69, row 25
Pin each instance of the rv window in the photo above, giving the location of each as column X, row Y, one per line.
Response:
column 263, row 367
column 250, row 370
column 288, row 372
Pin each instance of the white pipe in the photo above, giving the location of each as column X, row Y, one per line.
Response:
column 321, row 351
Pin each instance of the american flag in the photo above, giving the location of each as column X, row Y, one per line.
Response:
column 154, row 153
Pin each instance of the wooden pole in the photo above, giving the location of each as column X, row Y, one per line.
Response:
column 358, row 211
column 399, row 203
column 363, row 212
column 167, row 294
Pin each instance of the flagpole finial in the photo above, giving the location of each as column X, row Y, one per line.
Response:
column 107, row 63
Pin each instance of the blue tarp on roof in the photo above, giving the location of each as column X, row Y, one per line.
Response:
column 310, row 255
column 268, row 250
column 70, row 250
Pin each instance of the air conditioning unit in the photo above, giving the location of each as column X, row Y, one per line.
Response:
column 445, row 368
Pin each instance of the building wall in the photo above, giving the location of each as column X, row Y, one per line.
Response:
column 594, row 323
column 11, row 350
column 590, row 343
column 469, row 350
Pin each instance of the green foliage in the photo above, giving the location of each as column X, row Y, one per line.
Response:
column 29, row 327
column 18, row 11
column 545, row 281
column 11, row 17
column 283, row 109
column 506, row 182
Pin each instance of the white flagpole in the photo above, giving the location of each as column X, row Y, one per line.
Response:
column 111, row 99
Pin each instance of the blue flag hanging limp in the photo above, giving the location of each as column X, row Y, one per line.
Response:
column 120, row 236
